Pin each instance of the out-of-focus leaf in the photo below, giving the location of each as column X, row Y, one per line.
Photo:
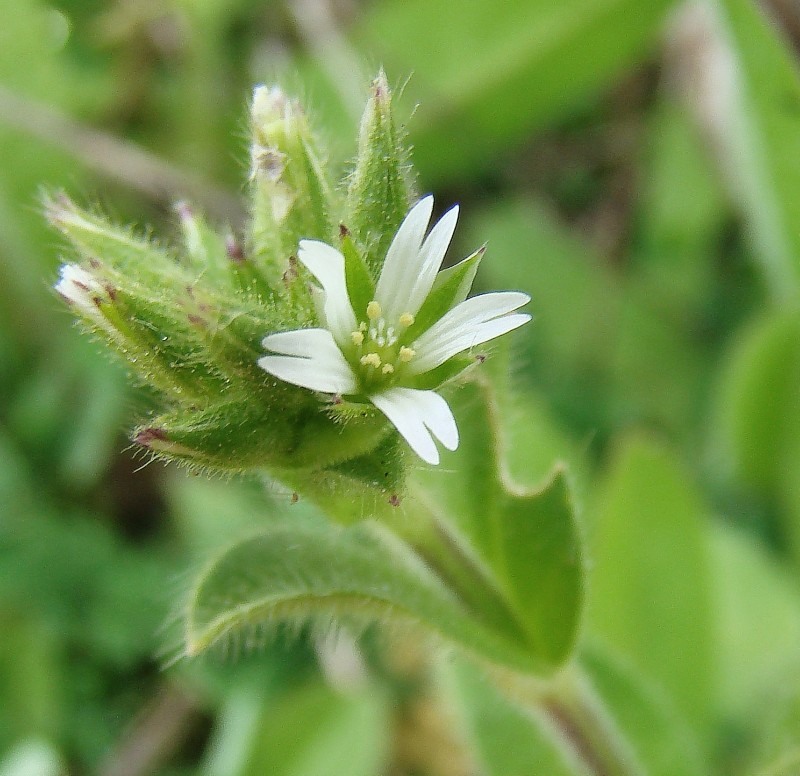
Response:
column 681, row 214
column 786, row 765
column 758, row 620
column 311, row 731
column 756, row 440
column 507, row 740
column 650, row 594
column 29, row 679
column 757, row 400
column 32, row 758
column 600, row 345
column 317, row 732
column 763, row 128
column 486, row 77
column 658, row 735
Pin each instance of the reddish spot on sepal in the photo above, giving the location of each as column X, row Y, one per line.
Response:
column 234, row 249
column 147, row 436
column 394, row 500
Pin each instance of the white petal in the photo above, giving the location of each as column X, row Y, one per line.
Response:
column 432, row 255
column 311, row 359
column 326, row 264
column 468, row 324
column 406, row 419
column 309, row 343
column 403, row 260
column 417, row 414
column 436, row 415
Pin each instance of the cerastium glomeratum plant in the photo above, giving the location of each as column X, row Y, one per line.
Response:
column 326, row 348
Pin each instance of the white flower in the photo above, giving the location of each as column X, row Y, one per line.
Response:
column 412, row 322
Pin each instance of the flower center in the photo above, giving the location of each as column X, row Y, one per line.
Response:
column 380, row 350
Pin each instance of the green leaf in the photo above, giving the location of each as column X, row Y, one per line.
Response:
column 757, row 400
column 507, row 739
column 758, row 623
column 650, row 594
column 298, row 573
column 524, row 537
column 310, row 731
column 763, row 134
column 787, row 764
column 485, row 78
column 658, row 735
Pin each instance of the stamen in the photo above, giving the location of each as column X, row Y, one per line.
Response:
column 371, row 359
column 362, row 326
column 387, row 369
column 357, row 337
column 373, row 310
column 406, row 354
column 406, row 319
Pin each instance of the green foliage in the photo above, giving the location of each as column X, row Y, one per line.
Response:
column 763, row 131
column 650, row 580
column 510, row 613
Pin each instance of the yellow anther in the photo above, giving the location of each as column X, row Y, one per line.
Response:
column 362, row 326
column 357, row 337
column 406, row 354
column 406, row 319
column 371, row 359
column 387, row 369
column 373, row 310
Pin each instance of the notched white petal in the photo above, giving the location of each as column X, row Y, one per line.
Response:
column 431, row 256
column 467, row 325
column 307, row 374
column 418, row 415
column 309, row 358
column 326, row 264
column 403, row 260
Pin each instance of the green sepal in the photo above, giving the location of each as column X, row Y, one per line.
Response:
column 248, row 278
column 380, row 189
column 450, row 288
column 280, row 428
column 451, row 369
column 101, row 244
column 360, row 286
column 204, row 248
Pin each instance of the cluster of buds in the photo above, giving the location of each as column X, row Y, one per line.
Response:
column 317, row 342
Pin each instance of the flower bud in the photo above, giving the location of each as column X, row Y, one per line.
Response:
column 380, row 189
column 291, row 194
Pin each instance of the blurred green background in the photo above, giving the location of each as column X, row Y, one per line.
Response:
column 634, row 165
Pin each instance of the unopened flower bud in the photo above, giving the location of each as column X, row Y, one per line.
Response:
column 84, row 293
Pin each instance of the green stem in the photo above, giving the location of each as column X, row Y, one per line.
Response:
column 578, row 716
